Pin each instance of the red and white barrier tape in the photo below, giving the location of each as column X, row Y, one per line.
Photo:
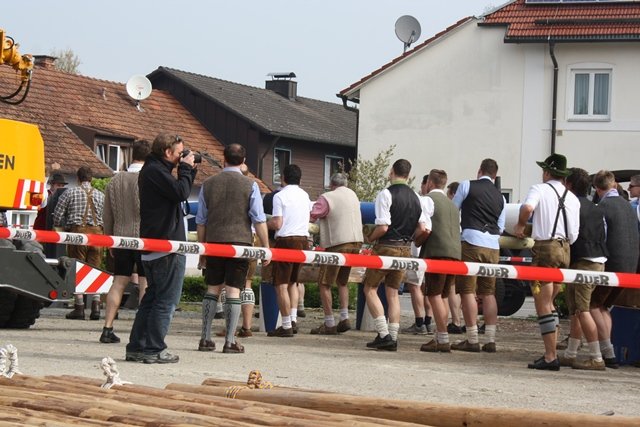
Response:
column 625, row 280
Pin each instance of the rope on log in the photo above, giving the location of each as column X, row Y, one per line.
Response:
column 110, row 371
column 254, row 382
column 9, row 353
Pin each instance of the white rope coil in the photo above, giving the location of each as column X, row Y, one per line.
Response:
column 110, row 371
column 9, row 361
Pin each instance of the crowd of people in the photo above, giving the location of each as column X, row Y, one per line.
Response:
column 459, row 221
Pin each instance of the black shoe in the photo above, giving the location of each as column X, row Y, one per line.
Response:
column 454, row 329
column 163, row 357
column 383, row 343
column 108, row 337
column 543, row 365
column 294, row 326
column 301, row 313
column 219, row 315
column 134, row 356
column 611, row 362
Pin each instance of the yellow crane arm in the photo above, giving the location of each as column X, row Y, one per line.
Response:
column 10, row 56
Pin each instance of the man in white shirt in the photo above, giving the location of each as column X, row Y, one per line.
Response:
column 291, row 207
column 555, row 226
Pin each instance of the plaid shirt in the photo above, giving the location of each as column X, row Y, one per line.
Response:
column 72, row 205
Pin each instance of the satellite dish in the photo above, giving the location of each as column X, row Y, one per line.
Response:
column 139, row 87
column 407, row 30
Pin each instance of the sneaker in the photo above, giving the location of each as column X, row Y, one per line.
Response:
column 281, row 332
column 108, row 337
column 383, row 343
column 232, row 348
column 294, row 326
column 244, row 332
column 301, row 313
column 343, row 326
column 134, row 356
column 163, row 357
column 431, row 329
column 206, row 345
column 466, row 346
column 543, row 365
column 611, row 362
column 415, row 330
column 325, row 330
column 489, row 347
column 567, row 361
column 436, row 347
column 589, row 364
column 454, row 329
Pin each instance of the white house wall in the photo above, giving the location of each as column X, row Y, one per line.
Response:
column 449, row 106
column 468, row 96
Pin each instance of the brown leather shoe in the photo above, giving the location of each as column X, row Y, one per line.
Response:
column 435, row 347
column 343, row 326
column 325, row 330
column 466, row 346
column 281, row 332
column 232, row 348
column 244, row 333
column 206, row 345
column 589, row 364
column 95, row 310
column 567, row 361
column 77, row 313
column 489, row 347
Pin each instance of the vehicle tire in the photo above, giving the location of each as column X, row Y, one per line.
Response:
column 7, row 302
column 25, row 312
column 513, row 298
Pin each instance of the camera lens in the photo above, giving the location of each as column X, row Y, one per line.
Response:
column 197, row 158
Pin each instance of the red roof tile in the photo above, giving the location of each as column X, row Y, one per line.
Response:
column 59, row 100
column 528, row 22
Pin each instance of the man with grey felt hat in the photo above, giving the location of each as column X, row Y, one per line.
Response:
column 555, row 226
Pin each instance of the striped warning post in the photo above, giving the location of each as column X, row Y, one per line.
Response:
column 543, row 274
column 91, row 280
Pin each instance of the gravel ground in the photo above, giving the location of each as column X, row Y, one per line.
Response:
column 56, row 346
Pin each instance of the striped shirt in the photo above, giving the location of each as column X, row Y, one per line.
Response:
column 72, row 206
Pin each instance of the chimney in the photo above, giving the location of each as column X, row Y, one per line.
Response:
column 282, row 84
column 45, row 61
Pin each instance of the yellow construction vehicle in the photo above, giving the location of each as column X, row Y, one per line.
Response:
column 9, row 55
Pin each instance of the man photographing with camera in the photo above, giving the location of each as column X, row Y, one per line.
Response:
column 161, row 217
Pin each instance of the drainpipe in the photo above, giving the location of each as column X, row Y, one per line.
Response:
column 357, row 111
column 555, row 96
column 270, row 148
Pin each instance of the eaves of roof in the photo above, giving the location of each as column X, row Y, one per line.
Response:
column 355, row 87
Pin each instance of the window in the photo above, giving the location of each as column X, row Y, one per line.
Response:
column 281, row 159
column 113, row 155
column 332, row 164
column 590, row 94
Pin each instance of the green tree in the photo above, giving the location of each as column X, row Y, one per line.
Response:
column 66, row 61
column 368, row 177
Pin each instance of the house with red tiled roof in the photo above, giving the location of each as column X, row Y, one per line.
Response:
column 527, row 79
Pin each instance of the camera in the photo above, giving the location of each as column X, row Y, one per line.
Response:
column 197, row 157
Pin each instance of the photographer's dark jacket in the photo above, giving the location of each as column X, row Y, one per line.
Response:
column 161, row 197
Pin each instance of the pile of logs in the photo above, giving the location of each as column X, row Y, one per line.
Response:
column 68, row 400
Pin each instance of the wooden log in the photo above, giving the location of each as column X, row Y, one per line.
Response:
column 20, row 416
column 417, row 412
column 261, row 413
column 229, row 383
column 83, row 406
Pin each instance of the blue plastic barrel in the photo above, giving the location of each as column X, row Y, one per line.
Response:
column 269, row 306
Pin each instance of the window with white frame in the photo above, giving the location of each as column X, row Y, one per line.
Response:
column 115, row 156
column 590, row 94
column 332, row 164
column 281, row 159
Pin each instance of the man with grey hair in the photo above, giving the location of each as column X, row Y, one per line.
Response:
column 338, row 213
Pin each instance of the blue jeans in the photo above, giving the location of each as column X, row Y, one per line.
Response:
column 164, row 286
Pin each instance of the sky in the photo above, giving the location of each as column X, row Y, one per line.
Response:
column 328, row 44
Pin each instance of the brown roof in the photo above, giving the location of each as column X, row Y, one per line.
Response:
column 60, row 103
column 564, row 22
column 405, row 55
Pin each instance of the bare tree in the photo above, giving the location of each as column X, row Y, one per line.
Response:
column 67, row 61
